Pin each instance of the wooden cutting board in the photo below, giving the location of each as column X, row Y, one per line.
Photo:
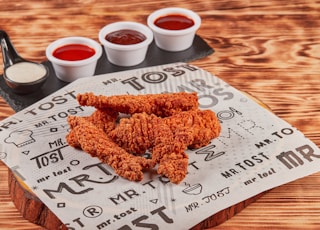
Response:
column 33, row 210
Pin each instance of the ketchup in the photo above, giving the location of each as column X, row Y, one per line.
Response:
column 125, row 37
column 174, row 22
column 74, row 52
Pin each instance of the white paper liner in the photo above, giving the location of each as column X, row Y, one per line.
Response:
column 255, row 152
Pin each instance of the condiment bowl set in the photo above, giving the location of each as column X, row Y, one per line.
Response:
column 125, row 44
column 120, row 51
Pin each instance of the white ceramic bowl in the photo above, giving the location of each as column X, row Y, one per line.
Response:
column 126, row 55
column 174, row 40
column 69, row 71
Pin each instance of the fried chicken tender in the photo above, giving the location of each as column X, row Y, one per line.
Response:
column 143, row 132
column 165, row 125
column 159, row 104
column 167, row 138
column 194, row 129
column 103, row 119
column 93, row 140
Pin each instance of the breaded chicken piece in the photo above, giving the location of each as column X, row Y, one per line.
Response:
column 167, row 138
column 159, row 104
column 163, row 124
column 143, row 132
column 103, row 119
column 94, row 141
column 194, row 128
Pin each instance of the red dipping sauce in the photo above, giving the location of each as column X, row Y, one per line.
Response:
column 125, row 37
column 73, row 52
column 174, row 22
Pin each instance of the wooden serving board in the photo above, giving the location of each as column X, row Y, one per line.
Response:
column 33, row 210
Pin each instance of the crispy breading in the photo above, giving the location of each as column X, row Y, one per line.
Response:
column 94, row 141
column 104, row 119
column 159, row 104
column 167, row 138
column 143, row 132
column 165, row 134
column 194, row 128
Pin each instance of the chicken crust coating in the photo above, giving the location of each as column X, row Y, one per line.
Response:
column 191, row 129
column 167, row 138
column 163, row 124
column 93, row 140
column 103, row 119
column 194, row 128
column 159, row 104
column 143, row 132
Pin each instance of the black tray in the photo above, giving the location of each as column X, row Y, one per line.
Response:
column 155, row 56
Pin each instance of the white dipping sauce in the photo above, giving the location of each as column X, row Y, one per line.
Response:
column 25, row 72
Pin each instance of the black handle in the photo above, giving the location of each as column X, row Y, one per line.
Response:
column 9, row 54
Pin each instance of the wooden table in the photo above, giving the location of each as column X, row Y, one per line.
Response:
column 270, row 49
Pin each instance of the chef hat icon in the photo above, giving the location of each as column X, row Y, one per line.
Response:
column 20, row 138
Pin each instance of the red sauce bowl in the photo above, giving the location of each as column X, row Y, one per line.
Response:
column 174, row 28
column 126, row 43
column 74, row 57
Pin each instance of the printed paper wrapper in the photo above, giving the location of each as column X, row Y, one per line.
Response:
column 255, row 152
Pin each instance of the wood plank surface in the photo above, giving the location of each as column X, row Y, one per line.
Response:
column 270, row 49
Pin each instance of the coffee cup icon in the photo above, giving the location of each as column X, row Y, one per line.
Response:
column 195, row 189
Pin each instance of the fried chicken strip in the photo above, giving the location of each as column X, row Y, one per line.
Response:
column 159, row 104
column 164, row 124
column 142, row 132
column 103, row 119
column 167, row 138
column 93, row 140
column 195, row 128
column 192, row 129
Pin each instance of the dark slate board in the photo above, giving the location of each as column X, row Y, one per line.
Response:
column 155, row 56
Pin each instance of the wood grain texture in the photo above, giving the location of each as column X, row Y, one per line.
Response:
column 270, row 49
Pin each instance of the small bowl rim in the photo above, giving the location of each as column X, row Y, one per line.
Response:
column 174, row 10
column 73, row 40
column 125, row 25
